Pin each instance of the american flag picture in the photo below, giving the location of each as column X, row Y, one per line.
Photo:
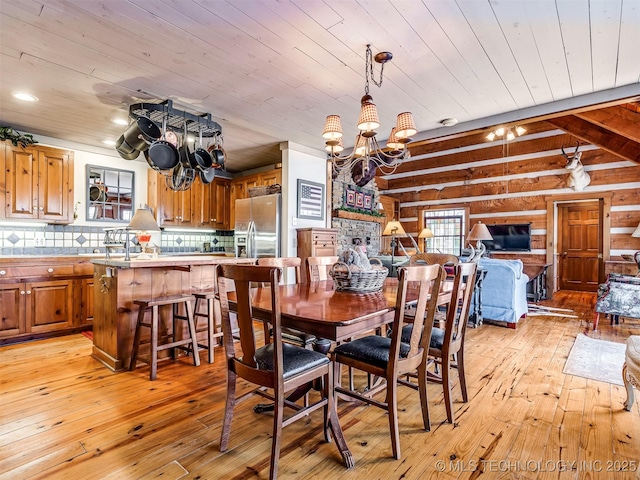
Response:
column 310, row 200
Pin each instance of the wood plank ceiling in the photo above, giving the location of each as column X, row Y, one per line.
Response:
column 271, row 71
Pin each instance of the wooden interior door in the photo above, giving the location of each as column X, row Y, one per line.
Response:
column 580, row 246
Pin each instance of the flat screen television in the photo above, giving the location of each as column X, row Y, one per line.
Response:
column 509, row 237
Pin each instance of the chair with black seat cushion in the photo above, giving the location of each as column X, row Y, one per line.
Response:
column 389, row 357
column 446, row 347
column 318, row 267
column 277, row 365
column 289, row 334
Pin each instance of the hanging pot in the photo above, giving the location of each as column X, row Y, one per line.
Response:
column 200, row 158
column 218, row 155
column 162, row 154
column 181, row 178
column 141, row 133
column 98, row 193
column 125, row 150
column 207, row 176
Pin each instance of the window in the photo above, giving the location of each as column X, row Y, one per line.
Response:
column 109, row 194
column 447, row 227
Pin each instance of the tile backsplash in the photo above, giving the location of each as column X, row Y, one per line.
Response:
column 77, row 239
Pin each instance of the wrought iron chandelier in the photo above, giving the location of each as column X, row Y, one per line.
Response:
column 367, row 156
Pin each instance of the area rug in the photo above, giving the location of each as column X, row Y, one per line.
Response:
column 88, row 334
column 596, row 359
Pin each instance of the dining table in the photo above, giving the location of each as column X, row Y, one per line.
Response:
column 319, row 308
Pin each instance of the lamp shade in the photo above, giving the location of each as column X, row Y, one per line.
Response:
column 426, row 233
column 393, row 142
column 143, row 221
column 405, row 126
column 361, row 148
column 637, row 232
column 479, row 232
column 394, row 228
column 332, row 128
column 368, row 117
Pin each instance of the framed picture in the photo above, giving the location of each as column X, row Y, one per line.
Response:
column 358, row 199
column 310, row 200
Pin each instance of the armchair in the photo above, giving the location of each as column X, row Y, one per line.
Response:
column 504, row 290
column 618, row 296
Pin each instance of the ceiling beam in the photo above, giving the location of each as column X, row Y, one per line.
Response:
column 608, row 140
column 618, row 119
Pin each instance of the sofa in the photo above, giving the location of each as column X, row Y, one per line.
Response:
column 504, row 290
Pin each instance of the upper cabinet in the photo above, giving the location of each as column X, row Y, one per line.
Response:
column 37, row 182
column 240, row 186
column 202, row 205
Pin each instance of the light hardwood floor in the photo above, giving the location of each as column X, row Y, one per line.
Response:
column 64, row 415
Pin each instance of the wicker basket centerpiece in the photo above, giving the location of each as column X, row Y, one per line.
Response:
column 355, row 273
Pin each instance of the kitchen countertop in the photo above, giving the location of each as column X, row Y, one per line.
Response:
column 168, row 261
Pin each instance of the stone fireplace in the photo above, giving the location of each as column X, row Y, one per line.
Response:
column 351, row 224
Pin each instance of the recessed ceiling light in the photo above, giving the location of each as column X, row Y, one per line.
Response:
column 27, row 97
column 449, row 122
column 109, row 142
column 120, row 121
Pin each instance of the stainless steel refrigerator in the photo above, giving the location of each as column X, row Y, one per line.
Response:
column 257, row 227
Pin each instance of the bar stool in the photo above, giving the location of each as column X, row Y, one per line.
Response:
column 207, row 298
column 189, row 344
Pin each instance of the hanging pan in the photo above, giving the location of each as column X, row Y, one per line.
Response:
column 200, row 158
column 162, row 154
column 207, row 176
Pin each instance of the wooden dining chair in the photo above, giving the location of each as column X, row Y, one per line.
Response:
column 288, row 334
column 277, row 365
column 446, row 347
column 389, row 357
column 318, row 267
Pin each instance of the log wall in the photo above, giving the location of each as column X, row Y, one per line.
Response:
column 510, row 182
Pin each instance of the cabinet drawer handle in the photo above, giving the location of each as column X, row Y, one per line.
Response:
column 3, row 272
column 41, row 208
column 28, row 292
column 22, row 292
column 50, row 270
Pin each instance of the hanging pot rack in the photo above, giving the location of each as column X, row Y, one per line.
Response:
column 176, row 119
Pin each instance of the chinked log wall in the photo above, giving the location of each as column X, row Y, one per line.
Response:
column 511, row 182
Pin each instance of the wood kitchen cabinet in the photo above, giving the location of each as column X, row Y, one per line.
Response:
column 220, row 195
column 316, row 242
column 171, row 208
column 240, row 187
column 202, row 205
column 39, row 297
column 38, row 183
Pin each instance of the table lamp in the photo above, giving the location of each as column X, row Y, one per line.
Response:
column 142, row 224
column 393, row 229
column 426, row 233
column 479, row 232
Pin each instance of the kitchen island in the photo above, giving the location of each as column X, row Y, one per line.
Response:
column 118, row 283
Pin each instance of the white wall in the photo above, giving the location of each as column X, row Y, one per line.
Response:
column 107, row 157
column 307, row 164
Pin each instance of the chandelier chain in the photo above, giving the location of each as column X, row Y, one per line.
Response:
column 368, row 71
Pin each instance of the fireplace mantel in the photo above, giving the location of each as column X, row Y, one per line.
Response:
column 362, row 217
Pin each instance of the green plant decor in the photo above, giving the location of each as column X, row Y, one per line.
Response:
column 371, row 213
column 15, row 137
